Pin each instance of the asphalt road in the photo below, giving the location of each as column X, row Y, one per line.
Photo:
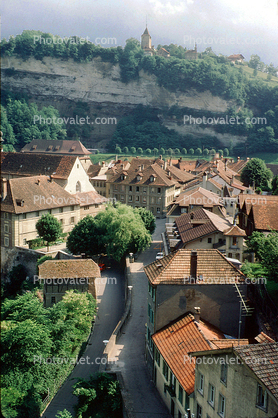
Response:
column 110, row 302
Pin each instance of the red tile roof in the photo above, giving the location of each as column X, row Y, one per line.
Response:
column 183, row 336
column 198, row 197
column 175, row 268
column 235, row 231
column 265, row 216
column 89, row 198
column 24, row 165
column 30, row 194
column 57, row 146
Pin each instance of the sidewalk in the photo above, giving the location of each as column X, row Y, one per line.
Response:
column 143, row 399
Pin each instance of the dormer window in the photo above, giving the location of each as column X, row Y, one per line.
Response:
column 152, row 178
column 138, row 177
column 49, row 147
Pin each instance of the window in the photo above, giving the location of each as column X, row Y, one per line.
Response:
column 211, row 395
column 201, row 383
column 72, row 220
column 115, row 187
column 221, row 406
column 78, row 187
column 261, row 398
column 72, row 208
column 223, row 375
column 144, row 189
column 61, row 221
column 144, row 199
column 199, row 411
column 152, row 189
column 122, row 197
column 159, row 190
column 173, row 381
column 150, row 314
column 234, row 242
column 157, row 356
column 157, row 210
column 209, row 240
column 122, row 188
column 24, row 215
column 53, row 299
column 37, row 213
column 6, row 228
column 130, row 188
column 130, row 198
column 165, row 371
column 137, row 198
column 180, row 394
column 24, row 241
column 6, row 241
column 137, row 188
column 86, row 207
column 61, row 210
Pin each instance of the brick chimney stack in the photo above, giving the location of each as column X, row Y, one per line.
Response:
column 4, row 186
column 197, row 313
column 193, row 264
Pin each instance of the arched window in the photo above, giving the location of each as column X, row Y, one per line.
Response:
column 78, row 187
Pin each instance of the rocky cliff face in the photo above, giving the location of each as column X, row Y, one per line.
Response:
column 62, row 83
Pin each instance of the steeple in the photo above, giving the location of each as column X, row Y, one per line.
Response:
column 146, row 40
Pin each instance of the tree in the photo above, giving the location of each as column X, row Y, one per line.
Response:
column 63, row 414
column 148, row 151
column 220, row 152
column 162, row 150
column 255, row 172
column 16, row 277
column 265, row 248
column 148, row 218
column 118, row 150
column 191, row 151
column 206, row 152
column 177, row 151
column 274, row 185
column 212, row 151
column 140, row 151
column 49, row 228
column 198, row 151
column 184, row 151
column 155, row 151
column 169, row 151
column 133, row 150
column 125, row 150
column 226, row 152
column 115, row 231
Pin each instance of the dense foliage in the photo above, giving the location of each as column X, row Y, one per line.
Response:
column 49, row 228
column 148, row 218
column 255, row 172
column 265, row 248
column 115, row 231
column 98, row 397
column 32, row 337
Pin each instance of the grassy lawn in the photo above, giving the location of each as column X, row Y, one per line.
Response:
column 272, row 288
column 263, row 76
column 268, row 157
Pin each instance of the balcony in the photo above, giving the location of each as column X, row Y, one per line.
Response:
column 219, row 244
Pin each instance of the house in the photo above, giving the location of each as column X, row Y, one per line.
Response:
column 162, row 52
column 142, row 183
column 258, row 213
column 236, row 58
column 56, row 147
column 25, row 200
column 59, row 276
column 146, row 43
column 239, row 381
column 204, row 229
column 173, row 369
column 196, row 198
column 65, row 170
column 185, row 279
column 191, row 54
column 96, row 174
column 91, row 203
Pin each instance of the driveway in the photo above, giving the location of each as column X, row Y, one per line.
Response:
column 110, row 303
column 143, row 399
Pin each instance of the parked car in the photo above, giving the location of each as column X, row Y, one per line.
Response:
column 159, row 256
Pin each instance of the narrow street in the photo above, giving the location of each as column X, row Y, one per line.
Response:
column 144, row 400
column 110, row 302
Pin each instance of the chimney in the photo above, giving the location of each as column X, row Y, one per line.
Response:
column 197, row 313
column 83, row 255
column 38, row 183
column 247, row 159
column 193, row 264
column 232, row 180
column 238, row 158
column 51, row 178
column 103, row 163
column 4, row 188
column 165, row 165
column 226, row 164
column 205, row 179
column 170, row 161
column 160, row 157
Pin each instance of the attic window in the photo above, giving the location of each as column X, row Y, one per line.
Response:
column 138, row 177
column 57, row 147
column 19, row 202
column 50, row 147
column 123, row 176
column 152, row 178
column 34, row 146
column 73, row 148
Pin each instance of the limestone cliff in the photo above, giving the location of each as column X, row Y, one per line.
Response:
column 62, row 83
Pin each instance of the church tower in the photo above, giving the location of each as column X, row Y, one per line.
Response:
column 146, row 40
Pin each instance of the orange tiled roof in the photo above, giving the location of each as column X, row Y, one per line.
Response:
column 56, row 146
column 235, row 231
column 266, row 216
column 175, row 268
column 89, row 198
column 198, row 197
column 64, row 269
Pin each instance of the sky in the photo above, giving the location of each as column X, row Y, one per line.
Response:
column 227, row 26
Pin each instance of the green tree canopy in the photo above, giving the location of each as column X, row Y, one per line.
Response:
column 256, row 172
column 116, row 231
column 49, row 228
column 148, row 218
